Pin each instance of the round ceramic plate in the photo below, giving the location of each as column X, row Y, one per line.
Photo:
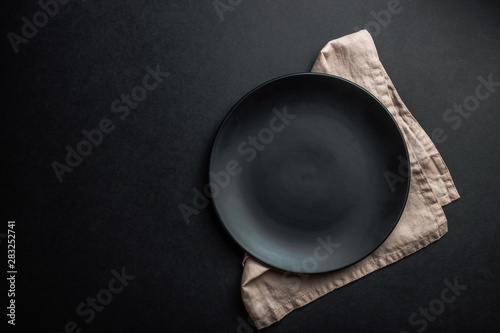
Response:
column 309, row 173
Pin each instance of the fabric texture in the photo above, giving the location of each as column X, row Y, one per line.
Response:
column 270, row 294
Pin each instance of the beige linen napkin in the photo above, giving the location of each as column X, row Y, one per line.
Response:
column 270, row 294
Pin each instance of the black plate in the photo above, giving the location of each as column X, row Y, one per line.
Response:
column 309, row 173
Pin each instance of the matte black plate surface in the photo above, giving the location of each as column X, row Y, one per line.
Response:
column 302, row 172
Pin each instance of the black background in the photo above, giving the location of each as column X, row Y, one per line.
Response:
column 119, row 207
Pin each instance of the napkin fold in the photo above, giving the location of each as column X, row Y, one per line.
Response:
column 270, row 294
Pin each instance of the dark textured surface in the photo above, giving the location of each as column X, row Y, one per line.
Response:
column 119, row 207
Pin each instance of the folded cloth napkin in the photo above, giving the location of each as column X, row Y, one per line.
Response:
column 270, row 294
